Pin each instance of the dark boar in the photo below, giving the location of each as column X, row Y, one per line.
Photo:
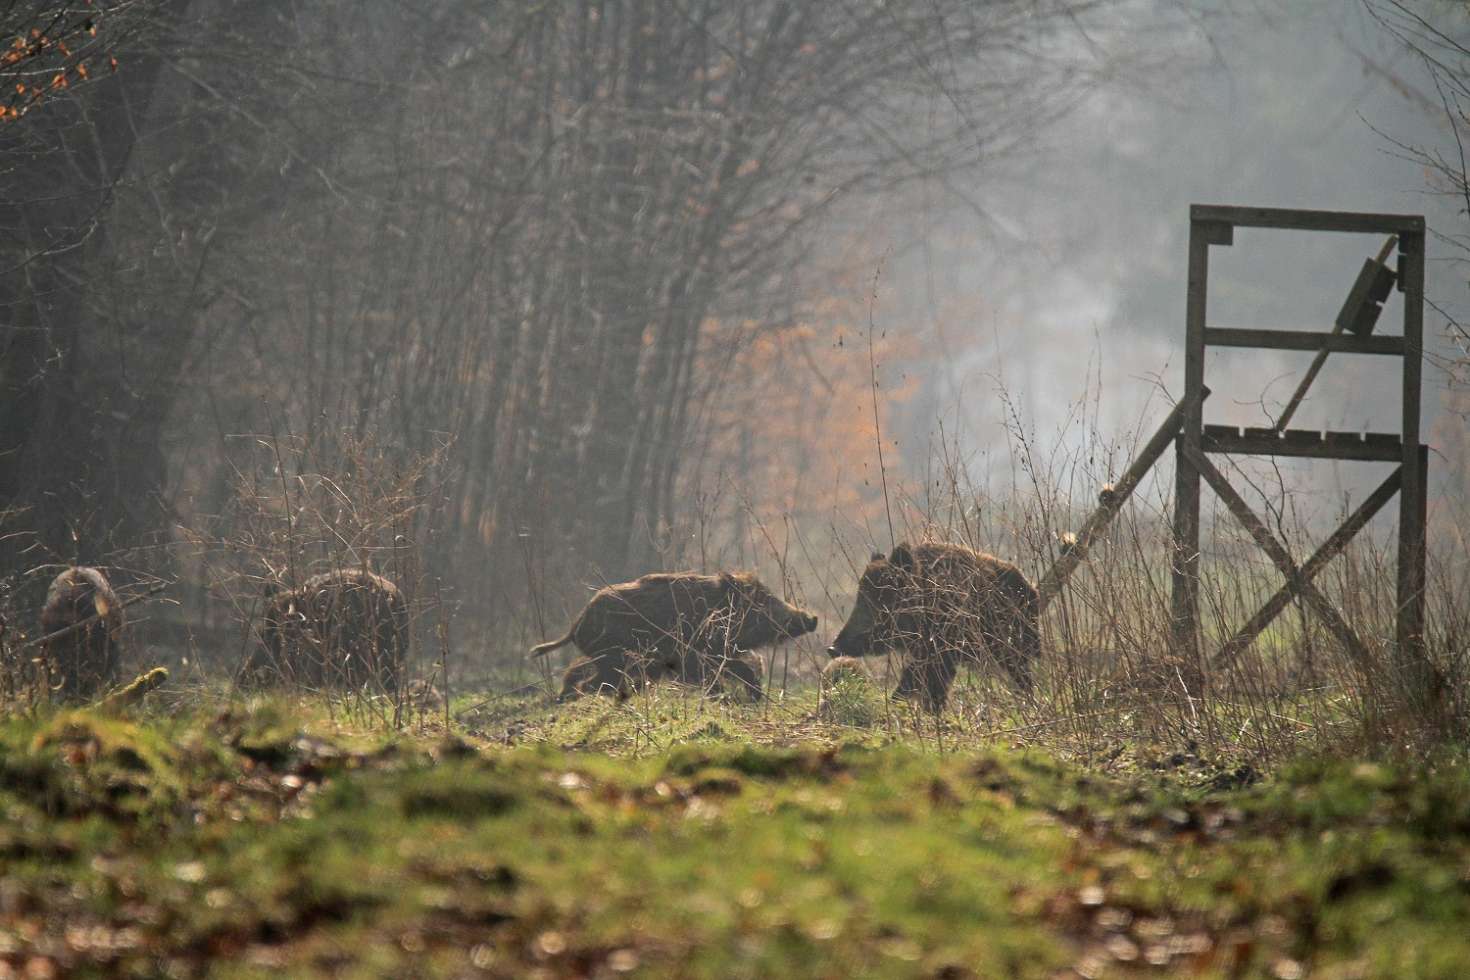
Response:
column 690, row 625
column 82, row 663
column 341, row 629
column 942, row 604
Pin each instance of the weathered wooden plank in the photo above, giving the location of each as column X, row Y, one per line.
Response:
column 1364, row 303
column 1343, row 440
column 1301, row 437
column 1304, row 220
column 1328, row 551
column 1112, row 502
column 1345, row 343
column 1383, row 447
column 1280, row 556
column 1216, row 232
column 1184, row 562
column 1409, row 631
column 1358, row 315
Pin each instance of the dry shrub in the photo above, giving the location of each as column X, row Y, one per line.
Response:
column 339, row 504
column 1108, row 683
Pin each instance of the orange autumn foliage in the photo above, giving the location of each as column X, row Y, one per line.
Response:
column 793, row 426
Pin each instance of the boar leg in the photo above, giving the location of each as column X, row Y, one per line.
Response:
column 592, row 675
column 928, row 677
column 908, row 682
column 743, row 676
column 1016, row 665
column 1013, row 644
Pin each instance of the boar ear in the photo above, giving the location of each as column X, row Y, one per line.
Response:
column 902, row 557
column 877, row 556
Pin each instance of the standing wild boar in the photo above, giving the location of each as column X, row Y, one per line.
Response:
column 86, row 661
column 344, row 629
column 941, row 604
column 692, row 626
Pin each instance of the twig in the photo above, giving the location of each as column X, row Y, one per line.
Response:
column 877, row 428
column 134, row 692
column 83, row 623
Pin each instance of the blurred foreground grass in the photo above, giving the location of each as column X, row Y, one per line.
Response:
column 663, row 838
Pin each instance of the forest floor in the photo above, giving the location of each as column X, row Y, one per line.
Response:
column 673, row 836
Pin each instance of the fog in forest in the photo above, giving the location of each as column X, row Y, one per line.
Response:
column 509, row 301
column 1070, row 295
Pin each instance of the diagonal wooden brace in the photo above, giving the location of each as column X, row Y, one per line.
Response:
column 1355, row 302
column 1330, row 549
column 1056, row 576
column 1295, row 582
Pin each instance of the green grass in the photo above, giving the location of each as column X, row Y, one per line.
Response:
column 673, row 836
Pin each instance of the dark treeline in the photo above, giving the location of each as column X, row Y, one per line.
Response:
column 523, row 240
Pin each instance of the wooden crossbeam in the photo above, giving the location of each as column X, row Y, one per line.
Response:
column 1279, row 555
column 1358, row 296
column 1056, row 577
column 1303, row 340
column 1384, row 447
column 82, row 624
column 1329, row 550
column 1303, row 220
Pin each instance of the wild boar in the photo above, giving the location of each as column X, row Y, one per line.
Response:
column 690, row 625
column 342, row 629
column 942, row 604
column 85, row 662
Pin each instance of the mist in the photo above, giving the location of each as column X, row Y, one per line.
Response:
column 515, row 306
column 1069, row 291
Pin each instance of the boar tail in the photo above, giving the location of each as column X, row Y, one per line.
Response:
column 542, row 649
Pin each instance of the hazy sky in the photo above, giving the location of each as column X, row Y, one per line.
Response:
column 1268, row 104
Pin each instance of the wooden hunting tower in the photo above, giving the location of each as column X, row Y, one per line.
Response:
column 1212, row 225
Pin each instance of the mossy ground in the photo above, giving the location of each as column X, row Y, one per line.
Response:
column 674, row 836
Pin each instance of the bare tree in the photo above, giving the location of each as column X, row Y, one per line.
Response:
column 543, row 234
column 1437, row 34
column 78, row 446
